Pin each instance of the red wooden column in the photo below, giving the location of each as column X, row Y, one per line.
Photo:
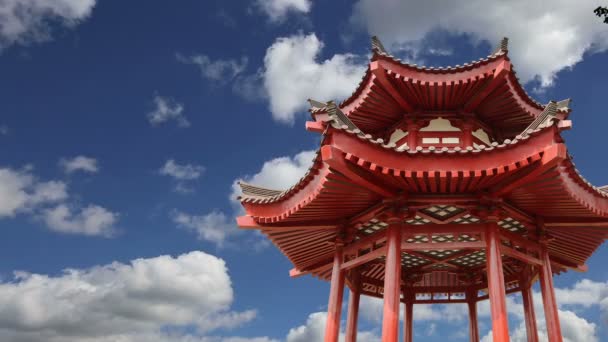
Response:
column 467, row 134
column 526, row 294
column 473, row 327
column 334, row 307
column 412, row 133
column 554, row 330
column 392, row 282
column 408, row 321
column 496, row 283
column 353, row 307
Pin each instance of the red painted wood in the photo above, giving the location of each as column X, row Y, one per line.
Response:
column 530, row 317
column 496, row 284
column 408, row 322
column 353, row 308
column 549, row 303
column 334, row 306
column 473, row 326
column 392, row 282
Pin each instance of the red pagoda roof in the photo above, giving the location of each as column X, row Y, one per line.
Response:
column 522, row 168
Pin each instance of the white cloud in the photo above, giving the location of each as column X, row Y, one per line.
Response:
column 314, row 330
column 132, row 302
column 166, row 110
column 23, row 21
column 214, row 227
column 182, row 175
column 277, row 10
column 181, row 172
column 20, row 191
column 79, row 163
column 90, row 220
column 279, row 173
column 221, row 71
column 293, row 73
column 543, row 39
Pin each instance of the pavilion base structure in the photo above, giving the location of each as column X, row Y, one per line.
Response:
column 397, row 288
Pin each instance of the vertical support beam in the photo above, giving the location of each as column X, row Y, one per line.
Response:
column 334, row 307
column 530, row 317
column 467, row 134
column 408, row 322
column 496, row 284
column 412, row 134
column 392, row 282
column 353, row 307
column 473, row 327
column 554, row 330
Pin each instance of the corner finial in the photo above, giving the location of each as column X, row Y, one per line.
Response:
column 316, row 104
column 377, row 45
column 503, row 46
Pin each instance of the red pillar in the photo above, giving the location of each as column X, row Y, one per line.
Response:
column 334, row 307
column 467, row 134
column 531, row 330
column 549, row 303
column 392, row 282
column 412, row 134
column 353, row 308
column 473, row 328
column 496, row 284
column 408, row 322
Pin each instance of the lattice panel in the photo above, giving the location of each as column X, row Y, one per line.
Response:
column 408, row 260
column 418, row 239
column 373, row 226
column 512, row 225
column 466, row 219
column 467, row 238
column 441, row 254
column 418, row 220
column 471, row 260
column 442, row 212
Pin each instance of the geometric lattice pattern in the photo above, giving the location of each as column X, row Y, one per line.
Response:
column 512, row 225
column 466, row 219
column 373, row 226
column 418, row 220
column 442, row 212
column 408, row 260
column 471, row 260
column 440, row 254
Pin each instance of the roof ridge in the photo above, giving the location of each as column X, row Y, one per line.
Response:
column 541, row 120
column 503, row 46
column 377, row 46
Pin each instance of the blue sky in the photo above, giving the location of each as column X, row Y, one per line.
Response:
column 125, row 125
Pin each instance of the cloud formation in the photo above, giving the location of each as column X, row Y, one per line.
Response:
column 294, row 73
column 156, row 299
column 21, row 192
column 166, row 109
column 79, row 163
column 543, row 39
column 221, row 71
column 278, row 10
column 25, row 21
column 182, row 174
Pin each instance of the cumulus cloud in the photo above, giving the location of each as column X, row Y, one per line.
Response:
column 221, row 71
column 214, row 227
column 79, row 163
column 543, row 39
column 166, row 109
column 20, row 191
column 277, row 10
column 90, row 220
column 278, row 173
column 182, row 174
column 138, row 301
column 293, row 73
column 24, row 21
column 314, row 330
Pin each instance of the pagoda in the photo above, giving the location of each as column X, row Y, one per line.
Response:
column 436, row 185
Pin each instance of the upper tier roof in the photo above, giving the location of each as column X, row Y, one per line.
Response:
column 487, row 88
